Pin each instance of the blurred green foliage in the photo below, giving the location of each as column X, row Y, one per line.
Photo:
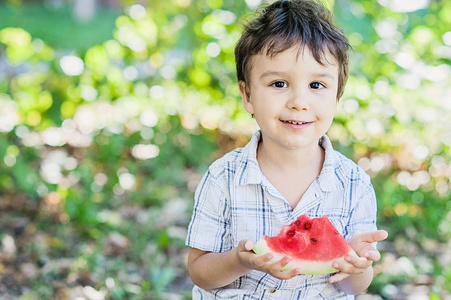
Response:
column 54, row 22
column 108, row 136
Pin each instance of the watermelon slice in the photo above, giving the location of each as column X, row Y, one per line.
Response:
column 313, row 243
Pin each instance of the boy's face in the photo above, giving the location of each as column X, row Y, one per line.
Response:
column 293, row 97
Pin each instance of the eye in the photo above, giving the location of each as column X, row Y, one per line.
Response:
column 316, row 85
column 279, row 84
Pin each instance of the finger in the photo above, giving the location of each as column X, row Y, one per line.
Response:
column 281, row 263
column 369, row 252
column 372, row 255
column 288, row 274
column 245, row 245
column 277, row 266
column 338, row 277
column 248, row 245
column 374, row 236
column 344, row 268
column 380, row 235
column 348, row 269
column 295, row 272
column 285, row 274
column 261, row 261
column 354, row 262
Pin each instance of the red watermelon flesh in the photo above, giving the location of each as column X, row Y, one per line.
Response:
column 312, row 243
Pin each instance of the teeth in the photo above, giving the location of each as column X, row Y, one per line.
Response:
column 295, row 123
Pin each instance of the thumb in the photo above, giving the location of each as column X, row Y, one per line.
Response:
column 374, row 236
column 245, row 245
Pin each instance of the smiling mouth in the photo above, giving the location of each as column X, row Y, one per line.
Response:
column 295, row 122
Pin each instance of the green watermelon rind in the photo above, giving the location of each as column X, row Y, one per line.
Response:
column 307, row 267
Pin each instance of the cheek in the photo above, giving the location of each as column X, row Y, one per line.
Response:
column 327, row 108
column 326, row 116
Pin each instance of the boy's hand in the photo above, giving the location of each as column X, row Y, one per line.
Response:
column 253, row 261
column 362, row 245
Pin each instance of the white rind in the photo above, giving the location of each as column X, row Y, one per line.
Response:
column 307, row 267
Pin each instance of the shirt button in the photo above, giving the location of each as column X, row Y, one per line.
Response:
column 272, row 291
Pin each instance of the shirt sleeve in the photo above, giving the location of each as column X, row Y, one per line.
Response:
column 364, row 213
column 209, row 229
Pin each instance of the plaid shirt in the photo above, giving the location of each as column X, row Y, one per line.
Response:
column 235, row 201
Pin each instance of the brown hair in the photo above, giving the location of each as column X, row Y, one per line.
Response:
column 284, row 24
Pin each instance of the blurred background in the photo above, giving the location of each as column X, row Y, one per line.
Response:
column 111, row 111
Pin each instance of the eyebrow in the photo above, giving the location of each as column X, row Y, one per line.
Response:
column 272, row 73
column 276, row 73
column 325, row 74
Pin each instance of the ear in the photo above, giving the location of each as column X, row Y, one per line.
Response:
column 246, row 97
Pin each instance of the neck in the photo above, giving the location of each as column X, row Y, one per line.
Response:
column 291, row 160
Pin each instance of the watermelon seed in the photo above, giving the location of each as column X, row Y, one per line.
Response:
column 297, row 222
column 307, row 225
column 291, row 232
column 314, row 240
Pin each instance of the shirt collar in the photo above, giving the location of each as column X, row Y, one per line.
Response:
column 249, row 170
column 330, row 178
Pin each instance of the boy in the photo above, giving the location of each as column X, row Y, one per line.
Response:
column 292, row 65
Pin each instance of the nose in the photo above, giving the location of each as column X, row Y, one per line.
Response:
column 298, row 100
